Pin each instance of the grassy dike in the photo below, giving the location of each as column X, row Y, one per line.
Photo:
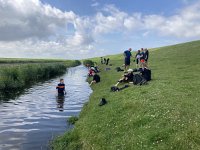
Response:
column 162, row 115
column 19, row 74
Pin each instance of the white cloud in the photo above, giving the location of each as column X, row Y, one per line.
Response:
column 21, row 19
column 33, row 29
column 184, row 24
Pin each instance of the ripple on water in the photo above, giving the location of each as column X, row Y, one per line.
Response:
column 31, row 120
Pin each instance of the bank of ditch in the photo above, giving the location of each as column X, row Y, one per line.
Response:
column 161, row 115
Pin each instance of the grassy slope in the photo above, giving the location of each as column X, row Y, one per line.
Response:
column 164, row 114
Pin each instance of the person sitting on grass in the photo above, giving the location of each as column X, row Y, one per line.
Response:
column 127, row 77
column 61, row 88
column 96, row 78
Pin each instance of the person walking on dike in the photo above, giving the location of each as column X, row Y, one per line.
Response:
column 137, row 57
column 127, row 57
column 61, row 88
column 96, row 78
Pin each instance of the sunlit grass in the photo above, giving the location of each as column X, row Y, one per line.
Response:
column 162, row 115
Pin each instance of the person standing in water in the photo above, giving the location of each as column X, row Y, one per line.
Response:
column 61, row 88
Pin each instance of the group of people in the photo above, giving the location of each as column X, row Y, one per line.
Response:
column 105, row 60
column 141, row 58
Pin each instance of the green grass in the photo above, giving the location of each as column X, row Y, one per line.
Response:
column 162, row 115
column 14, row 77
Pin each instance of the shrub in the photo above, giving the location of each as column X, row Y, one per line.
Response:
column 15, row 77
column 88, row 62
column 72, row 120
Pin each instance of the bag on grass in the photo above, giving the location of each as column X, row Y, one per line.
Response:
column 114, row 89
column 139, row 80
column 119, row 69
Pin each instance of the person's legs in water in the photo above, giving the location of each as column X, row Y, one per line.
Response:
column 60, row 101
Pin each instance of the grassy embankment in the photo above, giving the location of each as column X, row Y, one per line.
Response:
column 162, row 115
column 15, row 74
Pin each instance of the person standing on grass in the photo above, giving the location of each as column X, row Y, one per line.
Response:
column 146, row 51
column 137, row 57
column 101, row 60
column 127, row 57
column 107, row 61
column 142, row 58
column 104, row 60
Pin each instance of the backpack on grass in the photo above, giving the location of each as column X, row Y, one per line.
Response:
column 119, row 69
column 139, row 80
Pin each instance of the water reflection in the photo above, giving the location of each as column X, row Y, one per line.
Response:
column 60, row 99
column 32, row 119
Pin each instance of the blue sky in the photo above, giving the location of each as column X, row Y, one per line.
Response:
column 83, row 7
column 75, row 29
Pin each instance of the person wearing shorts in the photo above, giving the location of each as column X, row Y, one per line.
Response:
column 127, row 57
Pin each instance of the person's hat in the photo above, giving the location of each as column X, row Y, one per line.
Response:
column 92, row 68
column 130, row 70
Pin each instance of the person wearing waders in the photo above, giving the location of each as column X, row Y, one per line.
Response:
column 61, row 88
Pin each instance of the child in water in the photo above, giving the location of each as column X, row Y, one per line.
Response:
column 61, row 87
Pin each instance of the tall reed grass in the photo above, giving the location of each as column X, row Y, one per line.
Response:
column 16, row 77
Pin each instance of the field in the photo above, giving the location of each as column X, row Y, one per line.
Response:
column 162, row 115
column 16, row 74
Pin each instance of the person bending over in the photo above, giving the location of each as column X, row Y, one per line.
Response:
column 96, row 78
column 61, row 88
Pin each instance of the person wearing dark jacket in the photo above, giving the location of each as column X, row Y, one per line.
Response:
column 96, row 78
column 137, row 57
column 61, row 87
column 127, row 57
column 107, row 61
column 146, row 51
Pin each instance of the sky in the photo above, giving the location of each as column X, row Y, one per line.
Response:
column 77, row 29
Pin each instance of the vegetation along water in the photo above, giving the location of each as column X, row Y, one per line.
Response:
column 15, row 74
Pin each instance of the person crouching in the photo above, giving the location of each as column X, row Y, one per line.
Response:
column 96, row 78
